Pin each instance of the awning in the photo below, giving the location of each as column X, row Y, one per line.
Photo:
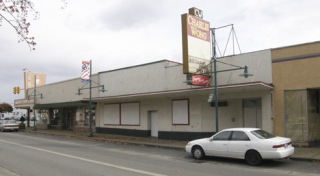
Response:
column 62, row 104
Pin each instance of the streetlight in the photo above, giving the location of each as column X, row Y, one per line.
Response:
column 214, row 60
column 90, row 133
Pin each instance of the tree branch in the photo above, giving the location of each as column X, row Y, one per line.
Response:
column 17, row 16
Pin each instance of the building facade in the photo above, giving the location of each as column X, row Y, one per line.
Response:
column 295, row 72
column 154, row 100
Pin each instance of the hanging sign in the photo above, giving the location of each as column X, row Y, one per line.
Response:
column 200, row 80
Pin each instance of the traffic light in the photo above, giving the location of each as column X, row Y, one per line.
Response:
column 16, row 90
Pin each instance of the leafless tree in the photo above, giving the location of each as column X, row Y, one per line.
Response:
column 16, row 13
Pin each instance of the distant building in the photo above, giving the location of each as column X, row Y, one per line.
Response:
column 15, row 114
column 5, row 115
column 18, row 113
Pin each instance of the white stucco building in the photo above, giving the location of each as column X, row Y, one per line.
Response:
column 153, row 99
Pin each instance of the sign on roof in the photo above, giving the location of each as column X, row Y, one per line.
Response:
column 195, row 42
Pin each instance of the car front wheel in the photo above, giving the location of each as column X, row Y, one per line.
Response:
column 198, row 153
column 253, row 158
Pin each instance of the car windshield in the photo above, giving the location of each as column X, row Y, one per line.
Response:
column 262, row 134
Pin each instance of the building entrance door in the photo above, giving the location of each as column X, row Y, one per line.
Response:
column 154, row 123
column 252, row 113
column 70, row 119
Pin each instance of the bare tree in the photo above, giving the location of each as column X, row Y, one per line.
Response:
column 16, row 13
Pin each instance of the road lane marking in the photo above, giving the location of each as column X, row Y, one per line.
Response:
column 6, row 172
column 87, row 160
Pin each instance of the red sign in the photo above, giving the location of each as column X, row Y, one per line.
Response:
column 200, row 80
column 198, row 28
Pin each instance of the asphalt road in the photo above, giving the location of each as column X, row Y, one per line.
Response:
column 24, row 154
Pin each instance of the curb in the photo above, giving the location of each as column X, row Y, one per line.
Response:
column 305, row 159
column 114, row 141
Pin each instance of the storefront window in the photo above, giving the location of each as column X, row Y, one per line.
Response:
column 83, row 117
column 87, row 122
column 43, row 116
column 55, row 118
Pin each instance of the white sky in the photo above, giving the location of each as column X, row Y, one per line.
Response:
column 120, row 33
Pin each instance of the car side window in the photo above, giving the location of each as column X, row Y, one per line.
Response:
column 239, row 136
column 223, row 136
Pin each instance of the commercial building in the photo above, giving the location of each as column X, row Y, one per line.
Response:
column 296, row 79
column 154, row 100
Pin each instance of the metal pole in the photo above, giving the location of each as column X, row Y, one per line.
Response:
column 216, row 99
column 90, row 134
column 34, row 103
column 216, row 96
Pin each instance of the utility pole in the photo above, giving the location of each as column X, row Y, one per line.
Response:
column 35, row 102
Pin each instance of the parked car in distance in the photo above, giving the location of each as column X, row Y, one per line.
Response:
column 8, row 125
column 8, row 118
column 251, row 144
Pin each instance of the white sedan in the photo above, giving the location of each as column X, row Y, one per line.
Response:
column 10, row 125
column 251, row 144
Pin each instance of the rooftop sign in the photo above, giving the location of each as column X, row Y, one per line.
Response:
column 195, row 42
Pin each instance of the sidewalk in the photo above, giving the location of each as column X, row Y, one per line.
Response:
column 301, row 153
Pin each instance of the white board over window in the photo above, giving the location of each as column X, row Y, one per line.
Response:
column 180, row 112
column 112, row 114
column 130, row 114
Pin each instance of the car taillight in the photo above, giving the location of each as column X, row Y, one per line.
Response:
column 282, row 145
column 278, row 146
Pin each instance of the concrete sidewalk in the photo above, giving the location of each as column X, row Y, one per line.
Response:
column 301, row 153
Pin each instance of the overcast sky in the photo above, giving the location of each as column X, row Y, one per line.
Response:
column 120, row 33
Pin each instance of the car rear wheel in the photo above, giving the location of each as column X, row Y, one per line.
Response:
column 198, row 153
column 253, row 158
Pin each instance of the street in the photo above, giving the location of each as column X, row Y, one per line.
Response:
column 26, row 154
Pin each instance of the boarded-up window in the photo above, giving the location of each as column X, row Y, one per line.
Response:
column 130, row 114
column 112, row 114
column 296, row 119
column 180, row 112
